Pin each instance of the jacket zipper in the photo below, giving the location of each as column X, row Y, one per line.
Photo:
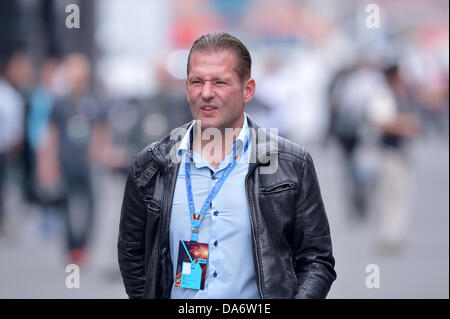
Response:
column 249, row 197
column 168, row 199
column 159, row 237
column 166, row 208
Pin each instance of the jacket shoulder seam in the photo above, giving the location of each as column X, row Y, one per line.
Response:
column 286, row 146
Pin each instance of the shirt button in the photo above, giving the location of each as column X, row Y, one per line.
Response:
column 216, row 243
column 216, row 213
column 215, row 274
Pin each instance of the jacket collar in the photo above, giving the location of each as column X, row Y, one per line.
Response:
column 165, row 150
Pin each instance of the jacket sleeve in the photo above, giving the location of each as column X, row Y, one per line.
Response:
column 131, row 241
column 314, row 261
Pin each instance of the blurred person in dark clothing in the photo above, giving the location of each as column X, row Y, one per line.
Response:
column 393, row 111
column 136, row 123
column 74, row 140
column 349, row 95
column 41, row 104
column 169, row 103
column 12, row 108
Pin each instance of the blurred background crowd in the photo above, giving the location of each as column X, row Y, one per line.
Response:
column 371, row 104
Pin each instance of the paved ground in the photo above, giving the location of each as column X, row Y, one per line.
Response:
column 421, row 269
column 34, row 268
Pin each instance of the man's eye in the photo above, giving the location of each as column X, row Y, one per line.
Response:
column 195, row 82
column 220, row 82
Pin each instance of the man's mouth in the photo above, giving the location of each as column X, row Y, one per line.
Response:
column 208, row 110
column 208, row 107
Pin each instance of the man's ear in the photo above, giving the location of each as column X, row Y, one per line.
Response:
column 249, row 90
column 187, row 95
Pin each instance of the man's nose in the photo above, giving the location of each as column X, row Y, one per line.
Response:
column 207, row 91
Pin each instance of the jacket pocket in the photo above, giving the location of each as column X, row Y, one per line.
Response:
column 278, row 188
column 153, row 205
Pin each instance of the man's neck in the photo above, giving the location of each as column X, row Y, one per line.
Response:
column 214, row 148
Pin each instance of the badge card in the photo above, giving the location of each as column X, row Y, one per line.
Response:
column 191, row 265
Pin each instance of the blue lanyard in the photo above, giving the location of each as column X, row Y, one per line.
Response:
column 196, row 219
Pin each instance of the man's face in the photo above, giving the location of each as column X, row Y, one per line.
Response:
column 215, row 92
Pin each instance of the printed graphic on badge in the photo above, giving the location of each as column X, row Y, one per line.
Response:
column 191, row 265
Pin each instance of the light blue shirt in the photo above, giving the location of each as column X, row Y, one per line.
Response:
column 40, row 109
column 225, row 226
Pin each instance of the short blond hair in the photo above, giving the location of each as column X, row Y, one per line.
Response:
column 222, row 41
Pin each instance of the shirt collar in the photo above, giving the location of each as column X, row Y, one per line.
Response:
column 241, row 140
column 243, row 136
column 185, row 144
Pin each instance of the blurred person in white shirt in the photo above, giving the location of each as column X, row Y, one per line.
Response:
column 392, row 112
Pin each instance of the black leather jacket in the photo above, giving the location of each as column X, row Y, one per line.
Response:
column 292, row 250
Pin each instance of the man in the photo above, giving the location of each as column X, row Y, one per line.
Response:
column 217, row 209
